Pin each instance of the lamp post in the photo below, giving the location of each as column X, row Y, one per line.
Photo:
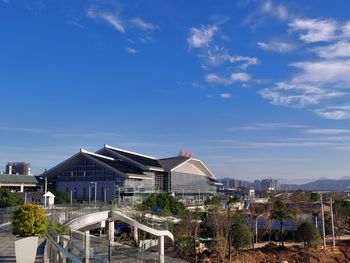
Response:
column 95, row 191
column 323, row 227
column 89, row 193
column 71, row 195
column 95, row 186
column 105, row 194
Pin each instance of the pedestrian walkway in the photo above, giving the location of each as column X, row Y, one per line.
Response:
column 7, row 245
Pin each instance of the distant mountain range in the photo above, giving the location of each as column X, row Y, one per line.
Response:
column 320, row 184
column 342, row 184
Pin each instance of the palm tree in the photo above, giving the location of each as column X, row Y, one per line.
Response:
column 281, row 213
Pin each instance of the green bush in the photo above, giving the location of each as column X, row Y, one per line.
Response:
column 59, row 228
column 61, row 198
column 8, row 199
column 308, row 234
column 29, row 220
column 167, row 204
column 241, row 236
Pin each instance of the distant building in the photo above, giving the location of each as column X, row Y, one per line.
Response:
column 19, row 168
column 269, row 184
column 18, row 183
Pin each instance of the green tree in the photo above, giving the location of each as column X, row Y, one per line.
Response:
column 29, row 220
column 8, row 199
column 240, row 235
column 308, row 234
column 61, row 198
column 167, row 204
column 281, row 213
column 315, row 197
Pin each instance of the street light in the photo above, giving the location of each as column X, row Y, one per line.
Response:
column 95, row 186
column 105, row 194
column 71, row 195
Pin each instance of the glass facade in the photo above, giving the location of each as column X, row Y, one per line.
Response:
column 191, row 184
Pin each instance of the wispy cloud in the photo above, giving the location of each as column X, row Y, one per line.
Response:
column 201, row 37
column 138, row 31
column 279, row 47
column 216, row 60
column 131, row 50
column 267, row 126
column 235, row 77
column 315, row 30
column 334, row 112
column 267, row 9
column 143, row 25
column 326, row 131
column 20, row 129
column 320, row 83
column 340, row 49
column 111, row 18
column 225, row 95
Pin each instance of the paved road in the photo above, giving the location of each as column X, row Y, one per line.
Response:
column 7, row 245
column 289, row 244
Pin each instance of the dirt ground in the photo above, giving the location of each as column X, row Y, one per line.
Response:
column 295, row 254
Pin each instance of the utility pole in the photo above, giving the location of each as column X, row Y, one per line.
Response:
column 323, row 227
column 95, row 191
column 333, row 238
column 89, row 193
column 45, row 184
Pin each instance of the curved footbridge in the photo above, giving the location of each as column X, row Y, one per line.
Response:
column 107, row 219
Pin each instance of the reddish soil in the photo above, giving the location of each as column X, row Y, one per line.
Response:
column 295, row 254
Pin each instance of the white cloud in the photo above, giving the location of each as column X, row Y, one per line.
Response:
column 326, row 131
column 334, row 112
column 315, row 29
column 241, row 76
column 324, row 71
column 268, row 126
column 339, row 49
column 131, row 50
column 279, row 47
column 235, row 77
column 141, row 24
column 201, row 37
column 216, row 79
column 110, row 18
column 278, row 11
column 225, row 95
column 346, row 29
column 216, row 56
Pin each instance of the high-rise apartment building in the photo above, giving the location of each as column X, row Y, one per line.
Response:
column 21, row 168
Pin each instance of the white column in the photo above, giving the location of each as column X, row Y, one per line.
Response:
column 22, row 188
column 111, row 231
column 136, row 235
column 161, row 248
column 87, row 246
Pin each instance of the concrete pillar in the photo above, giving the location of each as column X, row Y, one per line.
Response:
column 22, row 188
column 136, row 234
column 87, row 246
column 161, row 248
column 111, row 231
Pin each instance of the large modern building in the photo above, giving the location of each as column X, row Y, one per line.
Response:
column 115, row 173
column 19, row 168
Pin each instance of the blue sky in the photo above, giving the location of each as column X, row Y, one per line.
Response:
column 253, row 88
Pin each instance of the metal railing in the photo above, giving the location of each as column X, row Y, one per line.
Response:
column 72, row 246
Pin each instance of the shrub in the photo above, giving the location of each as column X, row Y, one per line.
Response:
column 8, row 199
column 59, row 228
column 29, row 220
column 241, row 236
column 308, row 234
